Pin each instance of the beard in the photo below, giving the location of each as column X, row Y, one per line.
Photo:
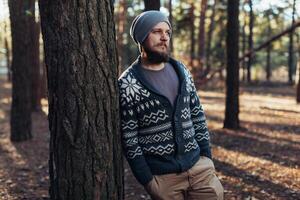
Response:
column 156, row 57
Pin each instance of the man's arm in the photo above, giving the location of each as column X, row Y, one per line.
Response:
column 131, row 148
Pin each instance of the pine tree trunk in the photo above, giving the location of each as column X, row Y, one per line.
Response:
column 82, row 68
column 250, row 41
column 232, row 78
column 269, row 48
column 120, row 31
column 210, row 36
column 291, row 48
column 36, row 77
column 152, row 4
column 7, row 54
column 192, row 27
column 21, row 18
column 171, row 22
column 201, row 34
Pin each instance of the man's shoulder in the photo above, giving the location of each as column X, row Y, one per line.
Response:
column 127, row 74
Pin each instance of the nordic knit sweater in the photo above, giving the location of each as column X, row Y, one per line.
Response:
column 159, row 138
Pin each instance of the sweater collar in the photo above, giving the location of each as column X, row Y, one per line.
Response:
column 137, row 64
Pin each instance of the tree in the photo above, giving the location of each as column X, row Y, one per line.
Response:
column 291, row 47
column 192, row 31
column 269, row 48
column 85, row 143
column 7, row 54
column 201, row 34
column 232, row 78
column 21, row 13
column 152, row 4
column 35, row 65
column 210, row 36
column 250, row 40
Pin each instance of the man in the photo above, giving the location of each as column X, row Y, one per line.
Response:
column 164, row 131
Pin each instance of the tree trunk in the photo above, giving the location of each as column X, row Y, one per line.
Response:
column 250, row 41
column 269, row 48
column 291, row 48
column 210, row 36
column 232, row 78
column 192, row 27
column 7, row 54
column 298, row 86
column 152, row 4
column 21, row 17
column 171, row 22
column 82, row 69
column 201, row 34
column 244, row 44
column 36, row 76
column 120, row 31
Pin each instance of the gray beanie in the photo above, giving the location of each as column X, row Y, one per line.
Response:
column 144, row 22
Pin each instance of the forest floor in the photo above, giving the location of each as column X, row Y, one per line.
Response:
column 259, row 161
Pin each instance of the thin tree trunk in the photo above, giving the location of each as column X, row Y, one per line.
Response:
column 152, row 4
column 171, row 22
column 120, row 31
column 269, row 48
column 201, row 34
column 36, row 76
column 192, row 27
column 291, row 48
column 82, row 68
column 298, row 86
column 210, row 36
column 232, row 76
column 7, row 54
column 21, row 18
column 244, row 44
column 250, row 41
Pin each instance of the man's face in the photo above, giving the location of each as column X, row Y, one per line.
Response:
column 157, row 43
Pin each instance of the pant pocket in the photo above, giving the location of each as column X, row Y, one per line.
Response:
column 216, row 185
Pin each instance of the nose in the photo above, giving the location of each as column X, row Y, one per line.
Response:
column 165, row 36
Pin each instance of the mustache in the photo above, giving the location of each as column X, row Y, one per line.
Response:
column 162, row 44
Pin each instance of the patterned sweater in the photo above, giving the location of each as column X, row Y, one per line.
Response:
column 159, row 138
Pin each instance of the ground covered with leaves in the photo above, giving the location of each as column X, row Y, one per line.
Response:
column 259, row 161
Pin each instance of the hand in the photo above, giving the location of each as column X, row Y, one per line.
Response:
column 153, row 189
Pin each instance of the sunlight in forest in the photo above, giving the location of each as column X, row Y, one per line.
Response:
column 44, row 103
column 6, row 100
column 11, row 152
column 260, row 167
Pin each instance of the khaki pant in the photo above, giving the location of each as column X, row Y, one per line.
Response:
column 199, row 182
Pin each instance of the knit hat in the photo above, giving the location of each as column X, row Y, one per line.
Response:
column 144, row 22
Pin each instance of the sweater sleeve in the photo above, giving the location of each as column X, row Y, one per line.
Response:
column 130, row 144
column 199, row 122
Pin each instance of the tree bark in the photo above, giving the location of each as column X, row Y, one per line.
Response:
column 291, row 48
column 269, row 48
column 171, row 22
column 120, row 31
column 250, row 41
column 192, row 28
column 201, row 34
column 232, row 76
column 7, row 54
column 36, row 77
column 21, row 13
column 82, row 68
column 152, row 4
column 210, row 36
